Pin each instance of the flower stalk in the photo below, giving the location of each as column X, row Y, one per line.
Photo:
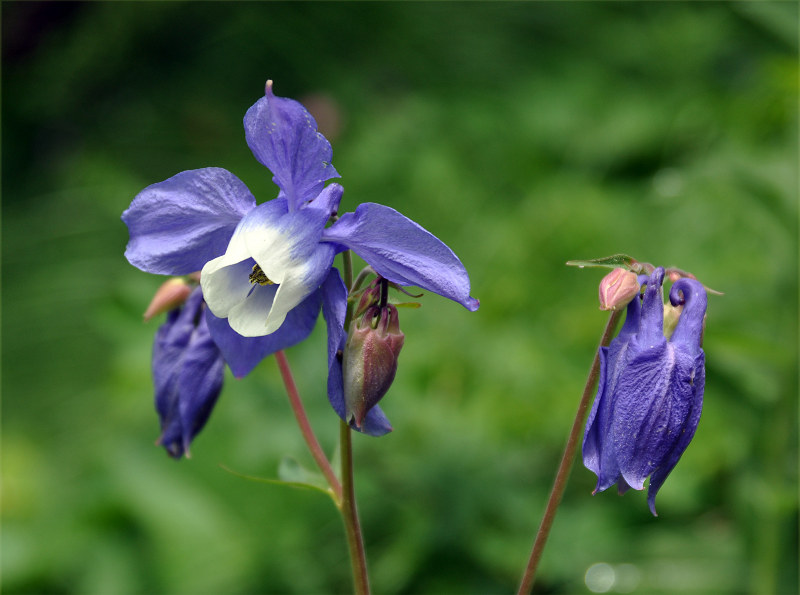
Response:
column 305, row 427
column 343, row 492
column 352, row 525
column 567, row 460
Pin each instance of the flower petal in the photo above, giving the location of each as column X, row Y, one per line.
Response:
column 685, row 434
column 689, row 331
column 598, row 449
column 283, row 136
column 226, row 286
column 334, row 308
column 242, row 354
column 651, row 329
column 178, row 225
column 200, row 382
column 226, row 280
column 188, row 374
column 597, row 422
column 249, row 316
column 328, row 200
column 168, row 347
column 290, row 254
column 656, row 398
column 403, row 252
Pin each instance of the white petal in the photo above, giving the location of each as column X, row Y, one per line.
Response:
column 272, row 249
column 249, row 317
column 225, row 286
column 299, row 281
column 290, row 293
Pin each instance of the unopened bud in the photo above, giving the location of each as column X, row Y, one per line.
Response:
column 371, row 296
column 617, row 289
column 169, row 296
column 369, row 363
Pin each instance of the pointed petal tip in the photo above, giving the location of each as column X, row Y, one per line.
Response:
column 651, row 502
column 472, row 304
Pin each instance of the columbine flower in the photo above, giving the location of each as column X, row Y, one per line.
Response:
column 650, row 393
column 187, row 373
column 264, row 268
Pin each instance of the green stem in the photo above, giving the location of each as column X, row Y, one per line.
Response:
column 562, row 475
column 347, row 265
column 305, row 427
column 362, row 276
column 352, row 526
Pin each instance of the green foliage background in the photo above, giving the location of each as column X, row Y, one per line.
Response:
column 523, row 135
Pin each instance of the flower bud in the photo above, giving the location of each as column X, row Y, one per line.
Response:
column 370, row 360
column 169, row 296
column 617, row 289
column 187, row 374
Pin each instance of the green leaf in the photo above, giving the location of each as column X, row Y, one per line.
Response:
column 621, row 261
column 414, row 305
column 292, row 474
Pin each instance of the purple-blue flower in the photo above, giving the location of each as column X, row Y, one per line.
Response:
column 650, row 393
column 187, row 374
column 264, row 267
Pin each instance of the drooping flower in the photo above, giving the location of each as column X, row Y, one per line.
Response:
column 264, row 267
column 187, row 374
column 650, row 393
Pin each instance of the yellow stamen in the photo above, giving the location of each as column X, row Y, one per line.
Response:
column 258, row 276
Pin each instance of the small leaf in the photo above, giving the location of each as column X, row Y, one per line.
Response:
column 617, row 261
column 405, row 304
column 290, row 471
column 291, row 474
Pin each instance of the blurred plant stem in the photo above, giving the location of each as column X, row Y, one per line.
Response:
column 305, row 428
column 343, row 493
column 562, row 475
column 352, row 526
column 355, row 541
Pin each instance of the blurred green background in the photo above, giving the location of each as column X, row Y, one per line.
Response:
column 523, row 135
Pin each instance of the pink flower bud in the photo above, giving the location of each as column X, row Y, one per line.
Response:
column 617, row 289
column 370, row 360
column 169, row 296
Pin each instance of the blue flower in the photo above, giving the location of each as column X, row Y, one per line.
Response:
column 650, row 393
column 187, row 373
column 265, row 268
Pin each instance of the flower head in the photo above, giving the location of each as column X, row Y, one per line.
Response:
column 265, row 268
column 650, row 393
column 187, row 373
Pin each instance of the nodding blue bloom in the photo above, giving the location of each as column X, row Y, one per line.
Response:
column 650, row 393
column 187, row 373
column 264, row 266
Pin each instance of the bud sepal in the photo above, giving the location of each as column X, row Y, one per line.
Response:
column 369, row 361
